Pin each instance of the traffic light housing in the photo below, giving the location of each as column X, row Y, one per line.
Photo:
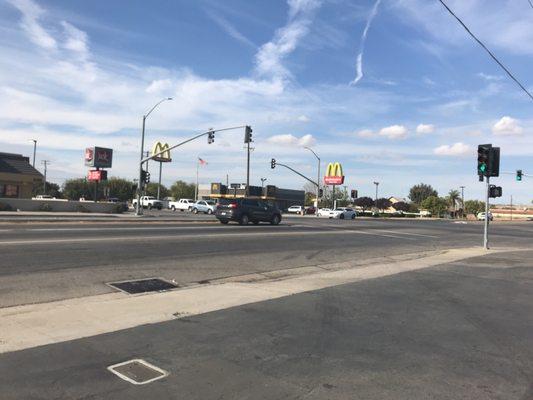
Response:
column 210, row 137
column 320, row 192
column 145, row 176
column 495, row 191
column 518, row 175
column 494, row 162
column 247, row 134
column 354, row 194
column 273, row 163
column 483, row 151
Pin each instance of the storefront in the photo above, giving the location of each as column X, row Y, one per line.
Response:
column 17, row 176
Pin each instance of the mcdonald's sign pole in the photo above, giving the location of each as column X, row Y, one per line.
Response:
column 334, row 176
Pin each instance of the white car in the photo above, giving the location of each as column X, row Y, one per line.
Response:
column 324, row 212
column 205, row 206
column 343, row 213
column 295, row 209
column 481, row 216
column 181, row 204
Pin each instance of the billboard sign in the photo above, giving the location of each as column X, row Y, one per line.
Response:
column 334, row 175
column 158, row 148
column 98, row 157
column 97, row 175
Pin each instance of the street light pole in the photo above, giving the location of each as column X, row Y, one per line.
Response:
column 317, row 178
column 377, row 184
column 45, row 163
column 138, row 209
column 263, row 184
column 34, row 150
column 462, row 201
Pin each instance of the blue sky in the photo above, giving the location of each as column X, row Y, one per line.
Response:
column 77, row 73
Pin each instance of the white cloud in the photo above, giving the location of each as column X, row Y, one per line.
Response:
column 303, row 118
column 488, row 77
column 359, row 61
column 507, row 126
column 269, row 58
column 365, row 133
column 159, row 86
column 230, row 29
column 291, row 140
column 394, row 132
column 425, row 128
column 77, row 40
column 458, row 149
column 31, row 12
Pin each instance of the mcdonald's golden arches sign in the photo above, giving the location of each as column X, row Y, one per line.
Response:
column 161, row 147
column 334, row 175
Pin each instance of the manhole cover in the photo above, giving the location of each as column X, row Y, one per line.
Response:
column 138, row 372
column 143, row 285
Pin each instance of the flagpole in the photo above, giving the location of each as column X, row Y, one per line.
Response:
column 197, row 168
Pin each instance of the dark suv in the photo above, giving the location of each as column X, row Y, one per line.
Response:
column 247, row 210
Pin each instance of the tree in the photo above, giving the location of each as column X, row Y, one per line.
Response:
column 453, row 198
column 182, row 190
column 383, row 203
column 435, row 205
column 52, row 189
column 474, row 206
column 420, row 192
column 120, row 188
column 73, row 189
column 364, row 202
column 151, row 190
column 401, row 206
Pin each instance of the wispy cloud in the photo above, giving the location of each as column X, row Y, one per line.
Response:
column 269, row 58
column 291, row 140
column 359, row 62
column 230, row 29
column 31, row 12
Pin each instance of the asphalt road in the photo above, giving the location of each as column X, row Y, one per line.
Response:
column 41, row 262
column 462, row 330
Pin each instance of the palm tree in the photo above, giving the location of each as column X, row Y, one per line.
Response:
column 453, row 199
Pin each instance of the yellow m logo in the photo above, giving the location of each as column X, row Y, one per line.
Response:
column 334, row 169
column 161, row 152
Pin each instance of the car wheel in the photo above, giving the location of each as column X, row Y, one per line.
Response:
column 210, row 211
column 276, row 219
column 244, row 220
column 224, row 221
column 255, row 222
column 173, row 208
column 341, row 216
column 195, row 210
column 353, row 216
column 149, row 206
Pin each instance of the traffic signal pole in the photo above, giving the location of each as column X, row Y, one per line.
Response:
column 486, row 233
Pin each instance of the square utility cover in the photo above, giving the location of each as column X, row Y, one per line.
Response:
column 137, row 371
column 143, row 285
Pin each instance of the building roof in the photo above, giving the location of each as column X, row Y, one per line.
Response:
column 17, row 164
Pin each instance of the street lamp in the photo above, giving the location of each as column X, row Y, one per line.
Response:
column 317, row 178
column 263, row 183
column 138, row 209
column 377, row 184
column 34, row 150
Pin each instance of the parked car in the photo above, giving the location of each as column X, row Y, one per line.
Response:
column 310, row 210
column 123, row 204
column 181, row 204
column 44, row 197
column 245, row 210
column 324, row 212
column 295, row 210
column 148, row 202
column 343, row 213
column 205, row 206
column 481, row 216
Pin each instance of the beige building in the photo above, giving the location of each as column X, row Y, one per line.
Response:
column 17, row 176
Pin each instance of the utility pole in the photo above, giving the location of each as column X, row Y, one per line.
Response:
column 34, row 150
column 263, row 184
column 45, row 163
column 511, row 207
column 197, row 171
column 376, row 202
column 317, row 179
column 247, row 169
column 227, row 180
column 462, row 201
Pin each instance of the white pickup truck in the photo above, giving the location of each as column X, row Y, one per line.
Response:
column 148, row 202
column 181, row 204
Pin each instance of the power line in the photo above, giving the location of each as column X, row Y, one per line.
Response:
column 487, row 50
column 530, row 3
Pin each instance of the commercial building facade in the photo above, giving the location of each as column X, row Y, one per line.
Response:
column 17, row 176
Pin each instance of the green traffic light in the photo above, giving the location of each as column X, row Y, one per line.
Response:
column 483, row 167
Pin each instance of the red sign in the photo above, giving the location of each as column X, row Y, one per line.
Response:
column 334, row 180
column 98, row 157
column 97, row 175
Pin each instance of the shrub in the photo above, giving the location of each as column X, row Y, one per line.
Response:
column 5, row 207
column 82, row 209
column 45, row 207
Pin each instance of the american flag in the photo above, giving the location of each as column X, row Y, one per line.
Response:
column 202, row 162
